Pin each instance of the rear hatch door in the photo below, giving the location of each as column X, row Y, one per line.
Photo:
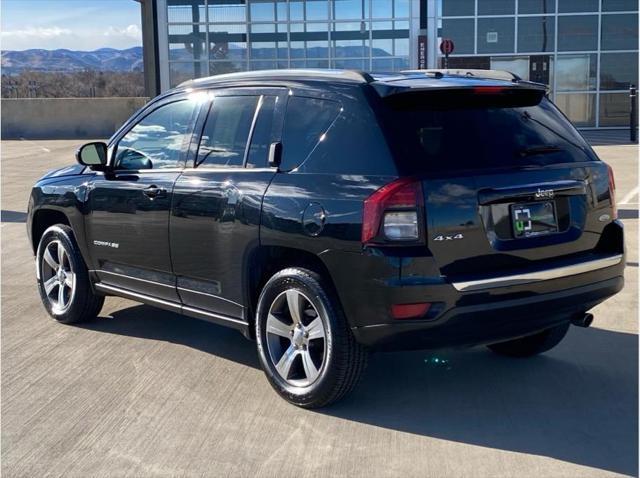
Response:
column 508, row 181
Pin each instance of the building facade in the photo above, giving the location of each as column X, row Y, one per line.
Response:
column 585, row 50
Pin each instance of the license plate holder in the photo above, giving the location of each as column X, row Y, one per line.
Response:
column 533, row 219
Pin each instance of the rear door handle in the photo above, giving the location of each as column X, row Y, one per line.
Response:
column 154, row 191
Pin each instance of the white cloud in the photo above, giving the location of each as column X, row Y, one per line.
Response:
column 82, row 38
column 42, row 33
column 131, row 31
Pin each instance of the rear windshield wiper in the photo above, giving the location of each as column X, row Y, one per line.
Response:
column 539, row 150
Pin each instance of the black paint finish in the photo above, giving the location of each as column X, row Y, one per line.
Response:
column 201, row 240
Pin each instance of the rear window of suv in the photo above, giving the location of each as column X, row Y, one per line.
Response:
column 441, row 136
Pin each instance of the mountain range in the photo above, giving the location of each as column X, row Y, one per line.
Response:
column 104, row 59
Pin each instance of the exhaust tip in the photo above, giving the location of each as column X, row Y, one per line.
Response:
column 583, row 321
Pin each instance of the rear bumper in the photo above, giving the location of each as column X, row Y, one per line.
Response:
column 490, row 322
column 470, row 312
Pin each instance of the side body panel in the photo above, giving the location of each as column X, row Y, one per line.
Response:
column 215, row 220
column 127, row 231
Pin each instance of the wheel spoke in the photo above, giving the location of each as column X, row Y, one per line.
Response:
column 310, row 369
column 284, row 364
column 277, row 327
column 69, row 279
column 49, row 258
column 295, row 303
column 50, row 284
column 61, row 295
column 315, row 329
column 60, row 254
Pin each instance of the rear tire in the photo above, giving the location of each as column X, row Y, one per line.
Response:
column 532, row 344
column 63, row 279
column 305, row 345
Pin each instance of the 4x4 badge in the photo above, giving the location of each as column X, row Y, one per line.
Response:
column 448, row 238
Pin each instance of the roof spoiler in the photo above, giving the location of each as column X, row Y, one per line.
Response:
column 473, row 73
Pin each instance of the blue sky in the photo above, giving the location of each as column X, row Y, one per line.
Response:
column 72, row 24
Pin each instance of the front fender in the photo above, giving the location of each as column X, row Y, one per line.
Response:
column 65, row 196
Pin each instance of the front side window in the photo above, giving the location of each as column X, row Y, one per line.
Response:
column 226, row 131
column 158, row 140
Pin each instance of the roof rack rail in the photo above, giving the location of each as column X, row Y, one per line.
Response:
column 289, row 74
column 475, row 73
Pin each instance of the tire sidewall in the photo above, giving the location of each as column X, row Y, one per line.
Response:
column 306, row 283
column 64, row 235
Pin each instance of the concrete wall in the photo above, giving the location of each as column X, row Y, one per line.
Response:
column 65, row 118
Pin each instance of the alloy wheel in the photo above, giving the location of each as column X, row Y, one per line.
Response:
column 58, row 277
column 296, row 338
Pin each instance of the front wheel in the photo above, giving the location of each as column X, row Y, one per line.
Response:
column 305, row 345
column 532, row 344
column 63, row 279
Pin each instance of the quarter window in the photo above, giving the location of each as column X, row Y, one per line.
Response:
column 226, row 131
column 158, row 140
column 306, row 122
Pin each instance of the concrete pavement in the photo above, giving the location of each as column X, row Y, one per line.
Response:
column 142, row 392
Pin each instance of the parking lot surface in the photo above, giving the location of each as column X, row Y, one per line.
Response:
column 143, row 392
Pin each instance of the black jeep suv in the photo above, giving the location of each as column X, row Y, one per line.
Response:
column 326, row 213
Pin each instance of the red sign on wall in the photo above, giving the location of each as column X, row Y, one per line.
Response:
column 446, row 47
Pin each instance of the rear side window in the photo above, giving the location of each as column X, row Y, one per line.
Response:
column 306, row 121
column 465, row 136
column 226, row 131
column 263, row 133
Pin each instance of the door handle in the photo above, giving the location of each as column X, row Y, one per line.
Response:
column 154, row 191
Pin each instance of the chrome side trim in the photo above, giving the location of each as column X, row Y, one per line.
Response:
column 213, row 296
column 137, row 296
column 117, row 274
column 538, row 276
column 198, row 313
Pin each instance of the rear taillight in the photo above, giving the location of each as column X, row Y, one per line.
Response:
column 392, row 213
column 612, row 192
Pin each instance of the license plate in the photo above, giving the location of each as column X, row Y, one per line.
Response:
column 534, row 219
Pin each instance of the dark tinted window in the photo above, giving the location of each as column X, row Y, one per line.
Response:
column 461, row 31
column 263, row 134
column 619, row 5
column 496, row 7
column 158, row 140
column 536, row 34
column 226, row 131
column 619, row 32
column 458, row 8
column 306, row 122
column 618, row 70
column 496, row 35
column 536, row 6
column 565, row 6
column 468, row 137
column 578, row 33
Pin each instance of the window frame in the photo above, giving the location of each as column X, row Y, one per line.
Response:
column 278, row 120
column 139, row 117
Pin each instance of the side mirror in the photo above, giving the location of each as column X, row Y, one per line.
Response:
column 93, row 155
column 275, row 154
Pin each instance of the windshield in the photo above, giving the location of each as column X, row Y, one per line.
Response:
column 466, row 136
